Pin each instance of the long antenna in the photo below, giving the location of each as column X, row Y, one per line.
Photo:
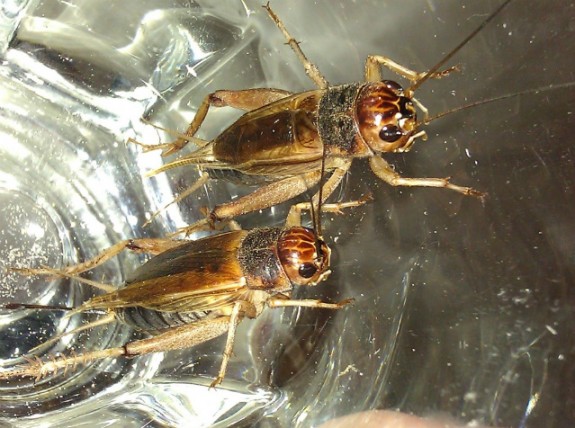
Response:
column 316, row 214
column 552, row 86
column 447, row 57
column 320, row 191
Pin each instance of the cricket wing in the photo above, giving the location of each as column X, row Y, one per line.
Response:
column 199, row 275
column 279, row 139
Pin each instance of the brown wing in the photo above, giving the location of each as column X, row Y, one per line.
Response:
column 199, row 275
column 278, row 139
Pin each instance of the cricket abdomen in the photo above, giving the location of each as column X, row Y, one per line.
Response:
column 150, row 320
column 279, row 134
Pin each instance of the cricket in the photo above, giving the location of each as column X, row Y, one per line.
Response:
column 193, row 291
column 279, row 142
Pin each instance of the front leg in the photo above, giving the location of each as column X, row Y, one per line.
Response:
column 384, row 171
column 373, row 65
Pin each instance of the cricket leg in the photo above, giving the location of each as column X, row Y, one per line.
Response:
column 213, row 328
column 144, row 245
column 336, row 208
column 294, row 214
column 267, row 196
column 385, row 172
column 310, row 69
column 281, row 191
column 246, row 100
column 180, row 142
column 373, row 65
column 182, row 337
column 307, row 303
column 239, row 310
column 204, row 177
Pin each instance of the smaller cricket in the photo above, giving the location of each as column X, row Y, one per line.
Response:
column 279, row 142
column 190, row 292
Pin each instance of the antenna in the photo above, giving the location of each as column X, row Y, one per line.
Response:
column 447, row 57
column 550, row 87
column 316, row 214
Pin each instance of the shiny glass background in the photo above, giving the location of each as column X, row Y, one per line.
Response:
column 461, row 308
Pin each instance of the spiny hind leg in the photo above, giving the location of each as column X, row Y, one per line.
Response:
column 385, row 172
column 182, row 337
column 310, row 68
column 144, row 245
column 247, row 100
column 265, row 197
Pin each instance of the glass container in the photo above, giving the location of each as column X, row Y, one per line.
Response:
column 462, row 308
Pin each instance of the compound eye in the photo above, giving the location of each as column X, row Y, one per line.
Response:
column 307, row 270
column 390, row 133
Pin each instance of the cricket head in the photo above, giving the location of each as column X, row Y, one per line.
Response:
column 303, row 256
column 386, row 117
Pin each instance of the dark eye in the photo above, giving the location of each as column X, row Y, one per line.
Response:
column 307, row 270
column 390, row 133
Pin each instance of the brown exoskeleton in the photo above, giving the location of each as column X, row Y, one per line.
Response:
column 280, row 139
column 194, row 291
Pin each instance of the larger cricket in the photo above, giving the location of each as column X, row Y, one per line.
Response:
column 280, row 140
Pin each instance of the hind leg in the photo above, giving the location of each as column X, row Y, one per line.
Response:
column 149, row 246
column 246, row 100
